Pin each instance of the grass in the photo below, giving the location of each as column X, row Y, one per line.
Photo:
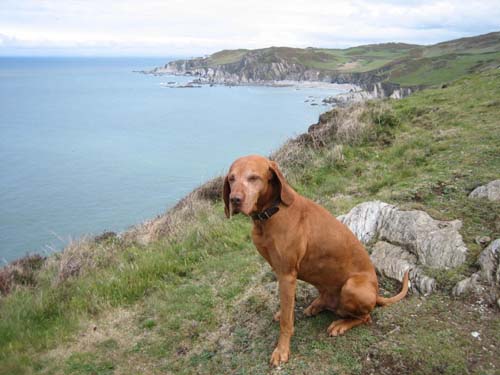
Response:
column 195, row 297
column 429, row 151
column 227, row 56
column 441, row 69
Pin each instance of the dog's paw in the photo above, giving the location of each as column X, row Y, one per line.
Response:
column 277, row 316
column 280, row 355
column 341, row 326
column 311, row 311
column 337, row 328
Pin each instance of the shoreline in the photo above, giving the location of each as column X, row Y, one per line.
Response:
column 200, row 80
column 350, row 92
column 347, row 87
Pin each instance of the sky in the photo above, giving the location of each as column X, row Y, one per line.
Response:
column 199, row 27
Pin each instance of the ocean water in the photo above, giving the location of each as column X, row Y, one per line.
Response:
column 87, row 146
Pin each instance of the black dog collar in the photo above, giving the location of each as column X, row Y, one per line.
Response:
column 267, row 213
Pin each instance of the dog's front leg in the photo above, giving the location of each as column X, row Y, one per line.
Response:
column 287, row 285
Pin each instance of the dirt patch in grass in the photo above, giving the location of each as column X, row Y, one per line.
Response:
column 434, row 335
column 103, row 345
column 351, row 65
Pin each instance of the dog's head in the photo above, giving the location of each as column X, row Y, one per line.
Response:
column 252, row 183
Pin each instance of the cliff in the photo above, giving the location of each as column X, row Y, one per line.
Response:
column 383, row 70
column 268, row 66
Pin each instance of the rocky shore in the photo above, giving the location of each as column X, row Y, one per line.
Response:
column 352, row 93
column 252, row 71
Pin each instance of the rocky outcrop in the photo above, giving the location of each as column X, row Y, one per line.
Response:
column 489, row 261
column 348, row 98
column 468, row 285
column 371, row 91
column 393, row 261
column 490, row 191
column 437, row 244
column 401, row 240
column 485, row 282
column 249, row 70
column 389, row 90
column 364, row 220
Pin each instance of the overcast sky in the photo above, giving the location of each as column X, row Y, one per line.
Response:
column 197, row 27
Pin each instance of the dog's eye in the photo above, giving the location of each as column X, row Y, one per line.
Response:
column 231, row 179
column 253, row 178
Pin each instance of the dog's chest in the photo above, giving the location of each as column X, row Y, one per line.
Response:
column 263, row 246
column 273, row 251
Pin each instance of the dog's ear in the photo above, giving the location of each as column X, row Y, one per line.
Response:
column 225, row 195
column 287, row 195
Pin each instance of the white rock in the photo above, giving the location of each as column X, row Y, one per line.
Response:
column 486, row 282
column 489, row 261
column 437, row 244
column 466, row 286
column 490, row 191
column 363, row 220
column 393, row 261
column 407, row 240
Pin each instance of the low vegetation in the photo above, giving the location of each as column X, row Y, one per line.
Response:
column 187, row 292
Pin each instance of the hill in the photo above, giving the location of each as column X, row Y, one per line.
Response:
column 388, row 65
column 187, row 292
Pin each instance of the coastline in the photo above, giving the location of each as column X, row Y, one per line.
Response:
column 352, row 93
column 348, row 87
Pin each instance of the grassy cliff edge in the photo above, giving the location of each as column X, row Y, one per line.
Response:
column 187, row 292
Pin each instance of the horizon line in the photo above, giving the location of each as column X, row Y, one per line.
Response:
column 191, row 55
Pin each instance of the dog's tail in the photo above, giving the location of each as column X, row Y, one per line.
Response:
column 382, row 301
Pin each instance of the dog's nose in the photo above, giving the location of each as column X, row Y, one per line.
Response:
column 236, row 200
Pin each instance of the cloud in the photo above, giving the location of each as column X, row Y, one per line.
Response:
column 174, row 27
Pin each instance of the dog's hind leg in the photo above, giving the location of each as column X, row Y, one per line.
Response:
column 357, row 299
column 339, row 327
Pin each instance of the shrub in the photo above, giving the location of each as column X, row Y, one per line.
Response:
column 20, row 272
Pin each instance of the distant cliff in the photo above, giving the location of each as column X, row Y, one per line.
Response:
column 383, row 70
column 255, row 67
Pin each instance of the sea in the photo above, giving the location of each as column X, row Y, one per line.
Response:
column 88, row 145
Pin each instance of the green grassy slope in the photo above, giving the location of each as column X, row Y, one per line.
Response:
column 202, row 300
column 405, row 64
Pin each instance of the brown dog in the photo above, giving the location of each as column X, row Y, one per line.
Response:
column 302, row 240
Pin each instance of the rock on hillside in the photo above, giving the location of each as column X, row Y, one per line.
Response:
column 376, row 90
column 401, row 240
column 490, row 191
column 487, row 280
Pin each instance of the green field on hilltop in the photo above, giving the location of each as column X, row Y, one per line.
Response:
column 201, row 300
